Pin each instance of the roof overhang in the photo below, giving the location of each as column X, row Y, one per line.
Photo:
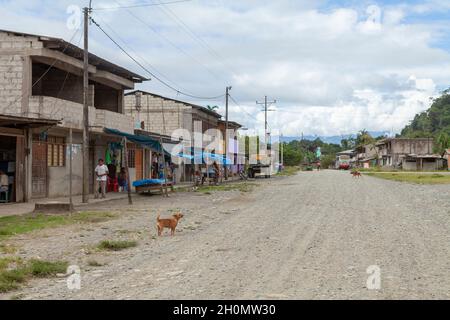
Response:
column 23, row 122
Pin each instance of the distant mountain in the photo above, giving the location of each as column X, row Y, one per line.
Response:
column 333, row 139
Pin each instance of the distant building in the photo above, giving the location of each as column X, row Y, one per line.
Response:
column 408, row 154
column 366, row 156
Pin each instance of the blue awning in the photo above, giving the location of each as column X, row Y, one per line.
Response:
column 201, row 157
column 144, row 141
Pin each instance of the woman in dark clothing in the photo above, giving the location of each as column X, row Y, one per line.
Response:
column 123, row 181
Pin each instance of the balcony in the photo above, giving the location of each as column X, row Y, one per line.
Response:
column 71, row 115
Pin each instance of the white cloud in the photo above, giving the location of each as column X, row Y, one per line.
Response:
column 335, row 70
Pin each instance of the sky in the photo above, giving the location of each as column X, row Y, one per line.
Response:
column 334, row 67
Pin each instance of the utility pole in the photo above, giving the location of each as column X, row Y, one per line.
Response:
column 282, row 150
column 70, row 169
column 266, row 110
column 227, row 95
column 85, row 197
column 127, row 168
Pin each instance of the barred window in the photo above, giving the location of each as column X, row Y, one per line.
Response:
column 56, row 152
column 132, row 158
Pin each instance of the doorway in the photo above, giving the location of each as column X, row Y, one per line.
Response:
column 8, row 154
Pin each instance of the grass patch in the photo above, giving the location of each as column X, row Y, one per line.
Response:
column 15, row 271
column 242, row 187
column 416, row 178
column 289, row 171
column 7, row 249
column 13, row 225
column 116, row 245
column 44, row 269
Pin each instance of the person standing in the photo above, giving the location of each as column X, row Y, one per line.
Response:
column 101, row 172
column 4, row 182
column 122, row 180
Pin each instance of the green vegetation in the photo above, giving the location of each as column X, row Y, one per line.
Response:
column 15, row 271
column 116, row 245
column 242, row 187
column 43, row 269
column 7, row 249
column 413, row 177
column 13, row 225
column 298, row 152
column 433, row 123
column 289, row 171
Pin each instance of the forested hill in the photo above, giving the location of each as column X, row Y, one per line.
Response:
column 432, row 122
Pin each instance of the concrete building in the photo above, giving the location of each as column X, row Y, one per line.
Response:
column 233, row 145
column 157, row 114
column 366, row 156
column 41, row 87
column 408, row 154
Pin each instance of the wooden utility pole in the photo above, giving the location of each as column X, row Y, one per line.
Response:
column 226, row 134
column 85, row 197
column 282, row 150
column 70, row 169
column 125, row 151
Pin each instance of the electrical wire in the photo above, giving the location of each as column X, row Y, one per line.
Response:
column 151, row 73
column 172, row 15
column 154, row 30
column 139, row 56
column 140, row 5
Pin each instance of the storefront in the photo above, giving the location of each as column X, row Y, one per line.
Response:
column 18, row 156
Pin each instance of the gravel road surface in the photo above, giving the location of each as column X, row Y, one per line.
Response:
column 309, row 236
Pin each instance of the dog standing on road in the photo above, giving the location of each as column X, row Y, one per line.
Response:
column 356, row 174
column 171, row 223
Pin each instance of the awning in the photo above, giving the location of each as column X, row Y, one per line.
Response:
column 144, row 141
column 203, row 157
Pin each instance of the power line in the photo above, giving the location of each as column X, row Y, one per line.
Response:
column 139, row 56
column 170, row 42
column 168, row 12
column 151, row 73
column 245, row 111
column 140, row 5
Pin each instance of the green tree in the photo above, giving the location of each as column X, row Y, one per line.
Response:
column 212, row 108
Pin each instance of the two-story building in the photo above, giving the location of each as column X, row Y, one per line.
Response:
column 41, row 101
column 408, row 154
column 157, row 114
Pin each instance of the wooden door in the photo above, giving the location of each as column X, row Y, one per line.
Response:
column 139, row 161
column 39, row 170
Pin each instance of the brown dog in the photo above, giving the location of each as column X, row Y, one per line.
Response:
column 356, row 174
column 168, row 223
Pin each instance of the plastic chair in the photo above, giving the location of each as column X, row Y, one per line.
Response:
column 4, row 197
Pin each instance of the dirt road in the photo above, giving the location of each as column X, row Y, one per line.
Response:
column 310, row 236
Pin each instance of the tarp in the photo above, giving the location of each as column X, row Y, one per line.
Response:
column 141, row 140
column 200, row 157
column 150, row 182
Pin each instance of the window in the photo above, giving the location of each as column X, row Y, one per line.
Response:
column 56, row 152
column 132, row 158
